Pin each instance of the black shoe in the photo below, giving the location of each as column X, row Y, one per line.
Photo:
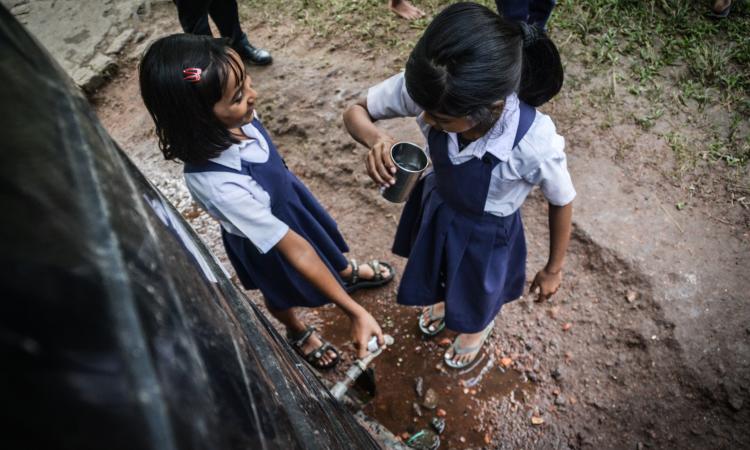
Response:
column 251, row 54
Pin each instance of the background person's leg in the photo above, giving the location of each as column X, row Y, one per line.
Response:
column 226, row 17
column 515, row 10
column 539, row 12
column 193, row 16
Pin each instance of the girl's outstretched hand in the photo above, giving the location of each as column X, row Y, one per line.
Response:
column 379, row 164
column 547, row 282
column 364, row 326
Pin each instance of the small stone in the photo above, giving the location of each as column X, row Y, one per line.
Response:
column 735, row 401
column 557, row 374
column 553, row 312
column 466, row 390
column 430, row 399
column 445, row 342
column 405, row 436
column 506, row 362
column 487, row 439
column 419, row 386
column 536, row 420
column 560, row 400
column 417, row 409
column 567, row 326
column 441, row 412
column 462, row 439
column 438, row 424
column 473, row 391
column 631, row 296
column 424, row 439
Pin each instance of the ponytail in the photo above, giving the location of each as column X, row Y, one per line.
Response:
column 542, row 72
column 469, row 58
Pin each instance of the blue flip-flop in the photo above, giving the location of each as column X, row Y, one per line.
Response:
column 435, row 324
column 456, row 349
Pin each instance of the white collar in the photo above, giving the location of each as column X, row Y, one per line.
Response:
column 231, row 156
column 499, row 140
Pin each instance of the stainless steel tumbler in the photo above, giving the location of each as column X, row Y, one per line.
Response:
column 410, row 162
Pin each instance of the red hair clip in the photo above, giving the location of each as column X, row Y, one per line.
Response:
column 192, row 74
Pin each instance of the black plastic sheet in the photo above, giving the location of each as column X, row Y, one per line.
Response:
column 118, row 329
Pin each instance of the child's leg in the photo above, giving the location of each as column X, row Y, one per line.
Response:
column 294, row 325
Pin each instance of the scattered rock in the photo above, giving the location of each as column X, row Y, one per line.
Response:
column 417, row 409
column 536, row 420
column 120, row 42
column 506, row 362
column 557, row 374
column 419, row 386
column 560, row 400
column 631, row 296
column 445, row 342
column 567, row 326
column 487, row 439
column 404, row 435
column 441, row 412
column 424, row 440
column 430, row 399
column 736, row 402
column 438, row 424
column 552, row 312
column 462, row 439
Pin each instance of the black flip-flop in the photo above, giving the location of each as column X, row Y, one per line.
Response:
column 355, row 283
column 297, row 340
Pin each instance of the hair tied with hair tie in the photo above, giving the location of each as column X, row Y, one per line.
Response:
column 530, row 33
column 192, row 74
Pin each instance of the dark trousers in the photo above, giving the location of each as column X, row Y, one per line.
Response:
column 534, row 12
column 193, row 15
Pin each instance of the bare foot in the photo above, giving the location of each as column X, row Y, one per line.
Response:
column 721, row 5
column 405, row 9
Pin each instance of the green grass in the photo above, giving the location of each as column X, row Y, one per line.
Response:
column 665, row 51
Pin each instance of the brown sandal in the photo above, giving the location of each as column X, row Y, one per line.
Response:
column 314, row 357
column 354, row 282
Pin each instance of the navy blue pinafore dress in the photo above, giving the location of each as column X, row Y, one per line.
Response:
column 291, row 202
column 473, row 260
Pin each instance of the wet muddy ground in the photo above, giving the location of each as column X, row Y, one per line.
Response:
column 598, row 366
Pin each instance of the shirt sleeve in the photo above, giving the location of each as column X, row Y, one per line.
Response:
column 389, row 99
column 250, row 216
column 554, row 180
column 545, row 149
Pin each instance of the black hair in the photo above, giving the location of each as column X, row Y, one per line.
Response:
column 469, row 58
column 182, row 110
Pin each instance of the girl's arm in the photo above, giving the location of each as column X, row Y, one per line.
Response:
column 362, row 128
column 560, row 224
column 303, row 257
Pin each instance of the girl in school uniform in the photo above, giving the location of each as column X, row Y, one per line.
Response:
column 473, row 81
column 277, row 236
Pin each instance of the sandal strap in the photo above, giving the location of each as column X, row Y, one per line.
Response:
column 355, row 271
column 458, row 350
column 300, row 339
column 315, row 355
column 375, row 265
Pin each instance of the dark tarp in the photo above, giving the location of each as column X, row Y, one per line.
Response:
column 118, row 330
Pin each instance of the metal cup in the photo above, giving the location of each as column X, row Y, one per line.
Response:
column 410, row 161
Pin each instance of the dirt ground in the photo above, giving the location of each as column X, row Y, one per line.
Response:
column 646, row 344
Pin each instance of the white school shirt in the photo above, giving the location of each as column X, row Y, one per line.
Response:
column 239, row 203
column 537, row 160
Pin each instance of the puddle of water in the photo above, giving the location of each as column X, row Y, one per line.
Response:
column 461, row 394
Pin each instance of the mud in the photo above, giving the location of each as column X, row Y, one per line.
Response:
column 598, row 366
